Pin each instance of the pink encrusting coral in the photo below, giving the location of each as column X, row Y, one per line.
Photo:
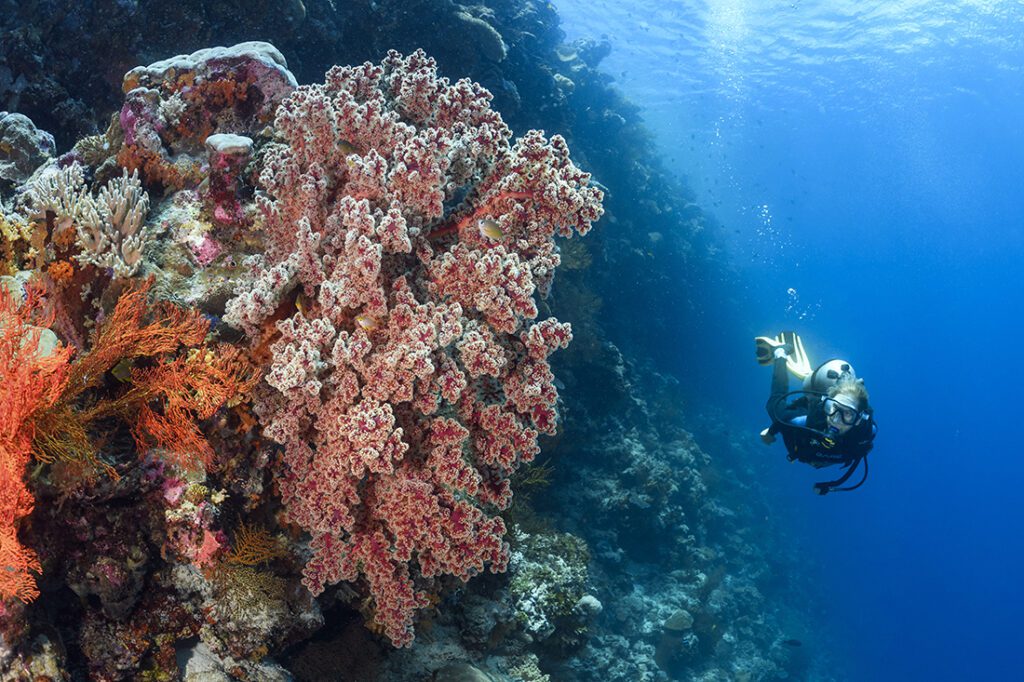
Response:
column 410, row 379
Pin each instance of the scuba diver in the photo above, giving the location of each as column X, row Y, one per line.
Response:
column 828, row 422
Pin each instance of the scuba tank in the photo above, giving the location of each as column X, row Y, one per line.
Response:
column 828, row 375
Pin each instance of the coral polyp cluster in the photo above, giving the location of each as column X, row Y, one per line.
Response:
column 262, row 346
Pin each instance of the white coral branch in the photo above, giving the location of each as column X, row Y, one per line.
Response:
column 116, row 238
column 126, row 204
column 60, row 191
column 110, row 226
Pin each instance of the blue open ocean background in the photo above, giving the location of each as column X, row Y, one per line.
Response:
column 865, row 162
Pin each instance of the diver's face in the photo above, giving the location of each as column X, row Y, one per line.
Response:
column 841, row 413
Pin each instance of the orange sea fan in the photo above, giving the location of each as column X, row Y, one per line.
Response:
column 45, row 412
column 165, row 401
column 31, row 382
column 253, row 546
column 187, row 390
column 16, row 562
column 175, row 432
column 136, row 329
column 201, row 381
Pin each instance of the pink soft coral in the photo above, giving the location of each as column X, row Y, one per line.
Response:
column 412, row 384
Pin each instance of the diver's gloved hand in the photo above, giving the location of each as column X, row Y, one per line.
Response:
column 769, row 349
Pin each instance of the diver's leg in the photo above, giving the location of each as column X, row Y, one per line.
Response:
column 779, row 408
column 780, row 386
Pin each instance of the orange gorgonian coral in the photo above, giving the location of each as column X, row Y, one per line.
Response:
column 31, row 380
column 188, row 383
column 253, row 546
column 175, row 395
column 134, row 329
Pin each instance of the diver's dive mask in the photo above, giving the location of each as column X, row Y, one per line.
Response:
column 841, row 414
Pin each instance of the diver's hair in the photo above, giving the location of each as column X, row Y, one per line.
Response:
column 853, row 388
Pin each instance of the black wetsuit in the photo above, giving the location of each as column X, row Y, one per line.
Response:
column 809, row 443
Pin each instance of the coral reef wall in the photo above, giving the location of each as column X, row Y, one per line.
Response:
column 626, row 544
column 57, row 67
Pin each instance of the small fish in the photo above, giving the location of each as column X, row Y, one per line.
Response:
column 122, row 371
column 303, row 303
column 346, row 148
column 792, row 642
column 490, row 229
column 366, row 323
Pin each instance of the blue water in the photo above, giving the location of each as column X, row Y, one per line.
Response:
column 865, row 161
